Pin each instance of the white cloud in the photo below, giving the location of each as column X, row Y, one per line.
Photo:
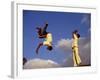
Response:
column 64, row 44
column 85, row 20
column 84, row 49
column 40, row 63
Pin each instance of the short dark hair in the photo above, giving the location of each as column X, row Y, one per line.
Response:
column 78, row 35
column 49, row 48
column 75, row 31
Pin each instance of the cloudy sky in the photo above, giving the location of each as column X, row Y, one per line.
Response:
column 61, row 25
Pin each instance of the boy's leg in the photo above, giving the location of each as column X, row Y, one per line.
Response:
column 39, row 31
column 44, row 29
column 40, row 44
column 74, row 58
column 77, row 56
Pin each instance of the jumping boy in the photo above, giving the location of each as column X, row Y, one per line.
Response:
column 42, row 33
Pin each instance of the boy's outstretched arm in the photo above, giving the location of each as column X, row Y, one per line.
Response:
column 37, row 49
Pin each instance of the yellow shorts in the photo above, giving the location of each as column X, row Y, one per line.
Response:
column 47, row 43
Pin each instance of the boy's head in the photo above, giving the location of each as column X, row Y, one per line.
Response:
column 49, row 48
column 78, row 35
column 75, row 31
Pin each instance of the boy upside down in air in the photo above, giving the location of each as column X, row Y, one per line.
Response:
column 42, row 33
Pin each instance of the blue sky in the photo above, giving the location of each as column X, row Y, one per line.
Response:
column 60, row 24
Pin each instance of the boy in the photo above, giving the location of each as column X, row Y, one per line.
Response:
column 75, row 48
column 48, row 39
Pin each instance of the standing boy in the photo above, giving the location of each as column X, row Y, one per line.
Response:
column 75, row 48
